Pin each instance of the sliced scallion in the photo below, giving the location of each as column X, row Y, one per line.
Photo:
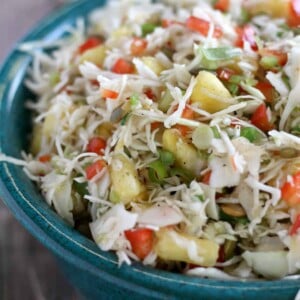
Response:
column 157, row 172
column 296, row 130
column 183, row 174
column 202, row 137
column 54, row 78
column 215, row 132
column 134, row 100
column 233, row 88
column 269, row 62
column 124, row 119
column 220, row 53
column 235, row 79
column 166, row 157
column 165, row 102
column 251, row 134
column 148, row 28
column 80, row 188
column 288, row 153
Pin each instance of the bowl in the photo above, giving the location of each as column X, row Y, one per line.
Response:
column 94, row 273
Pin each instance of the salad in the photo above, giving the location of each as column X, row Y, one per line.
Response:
column 169, row 132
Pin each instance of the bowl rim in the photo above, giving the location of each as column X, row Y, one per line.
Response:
column 55, row 236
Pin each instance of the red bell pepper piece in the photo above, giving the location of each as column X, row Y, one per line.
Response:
column 202, row 26
column 141, row 241
column 96, row 145
column 290, row 191
column 122, row 66
column 90, row 43
column 260, row 118
column 94, row 169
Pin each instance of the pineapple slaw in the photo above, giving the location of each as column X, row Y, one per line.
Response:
column 170, row 134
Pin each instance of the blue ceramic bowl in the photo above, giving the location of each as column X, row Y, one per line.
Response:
column 95, row 273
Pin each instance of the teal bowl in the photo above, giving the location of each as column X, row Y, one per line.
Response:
column 93, row 272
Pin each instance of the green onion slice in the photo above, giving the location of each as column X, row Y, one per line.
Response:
column 251, row 134
column 166, row 157
column 157, row 172
column 202, row 137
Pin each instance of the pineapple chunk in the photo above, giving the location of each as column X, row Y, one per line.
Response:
column 122, row 31
column 153, row 64
column 210, row 93
column 105, row 130
column 171, row 245
column 95, row 55
column 125, row 185
column 274, row 8
column 49, row 125
column 186, row 155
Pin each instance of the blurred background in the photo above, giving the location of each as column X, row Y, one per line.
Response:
column 27, row 270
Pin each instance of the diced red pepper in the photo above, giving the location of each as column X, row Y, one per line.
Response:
column 202, row 26
column 260, row 118
column 141, row 241
column 96, row 145
column 186, row 114
column 294, row 13
column 295, row 226
column 267, row 89
column 246, row 34
column 224, row 73
column 222, row 5
column 94, row 169
column 149, row 93
column 105, row 93
column 167, row 23
column 45, row 158
column 123, row 66
column 155, row 125
column 95, row 82
column 290, row 191
column 221, row 257
column 138, row 46
column 90, row 43
column 206, row 177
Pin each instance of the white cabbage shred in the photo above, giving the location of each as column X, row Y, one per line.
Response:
column 148, row 176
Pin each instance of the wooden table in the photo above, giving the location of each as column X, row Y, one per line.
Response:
column 28, row 271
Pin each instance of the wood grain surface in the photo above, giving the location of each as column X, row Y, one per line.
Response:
column 28, row 271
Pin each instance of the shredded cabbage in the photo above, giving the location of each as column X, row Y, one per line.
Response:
column 106, row 113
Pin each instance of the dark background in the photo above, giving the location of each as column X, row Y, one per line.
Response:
column 28, row 271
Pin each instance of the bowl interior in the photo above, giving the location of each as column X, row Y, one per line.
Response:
column 27, row 204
